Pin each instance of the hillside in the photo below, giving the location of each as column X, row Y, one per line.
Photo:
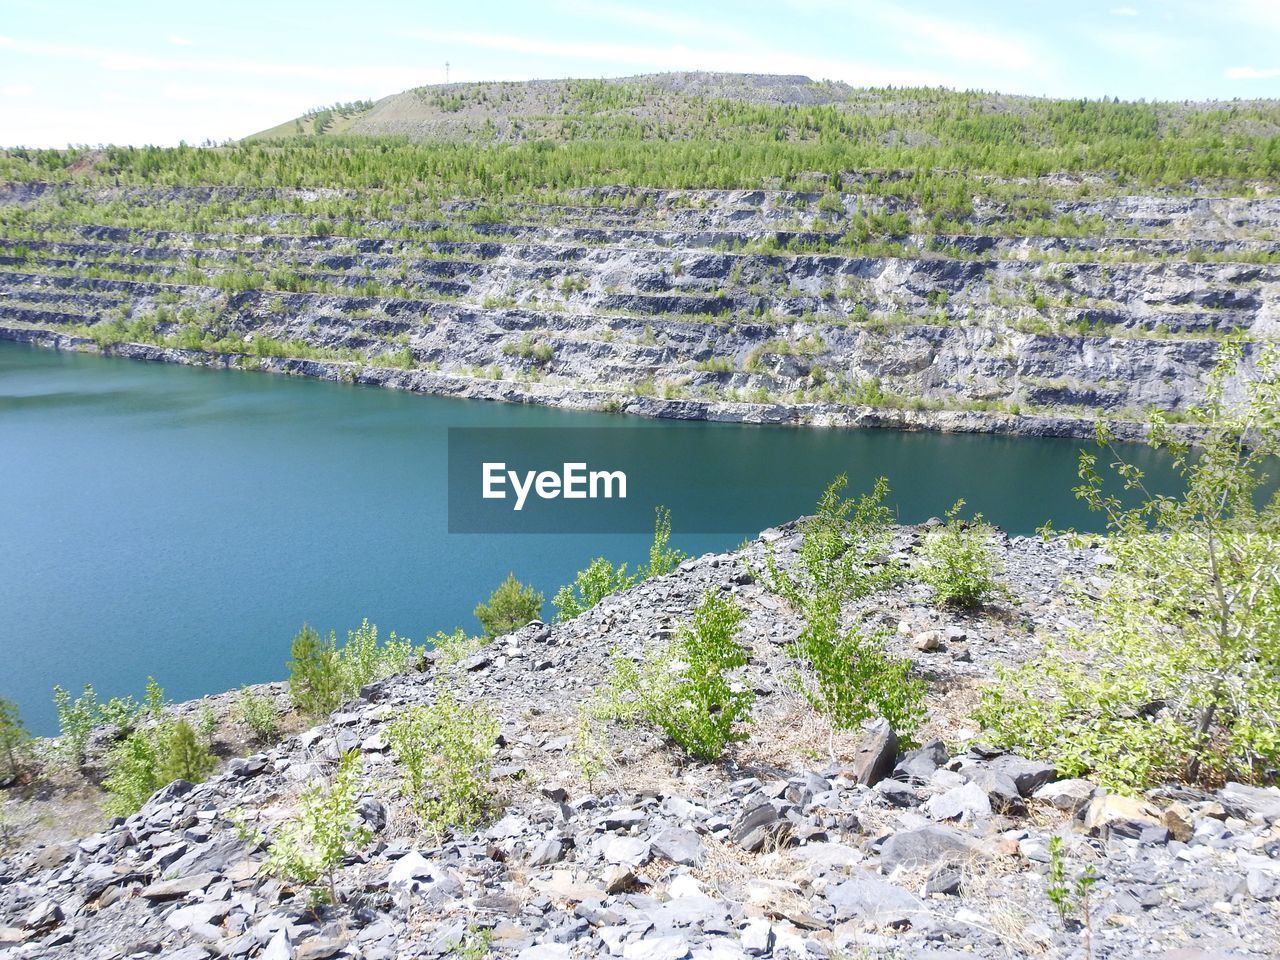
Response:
column 692, row 245
column 673, row 106
column 940, row 851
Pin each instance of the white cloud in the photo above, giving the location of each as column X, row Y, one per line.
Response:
column 1251, row 73
column 1123, row 11
column 179, row 41
column 17, row 90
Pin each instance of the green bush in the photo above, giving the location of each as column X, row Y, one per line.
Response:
column 843, row 548
column 1180, row 677
column 510, row 607
column 323, row 676
column 849, row 676
column 958, row 562
column 257, row 713
column 151, row 757
column 601, row 578
column 590, row 586
column 662, row 558
column 686, row 690
column 446, row 750
column 77, row 718
column 309, row 848
column 314, row 684
column 14, row 742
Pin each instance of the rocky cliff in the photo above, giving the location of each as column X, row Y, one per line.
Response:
column 730, row 304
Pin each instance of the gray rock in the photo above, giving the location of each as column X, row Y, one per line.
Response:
column 678, row 845
column 657, row 948
column 544, row 852
column 875, row 755
column 1001, row 791
column 968, row 801
column 757, row 938
column 927, row 847
column 628, row 851
column 1261, row 802
column 877, row 901
column 1070, row 795
column 1263, row 884
column 1028, row 775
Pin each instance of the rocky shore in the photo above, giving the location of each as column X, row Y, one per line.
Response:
column 581, row 398
column 942, row 851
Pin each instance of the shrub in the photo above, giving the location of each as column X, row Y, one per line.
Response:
column 849, row 676
column 958, row 562
column 14, row 742
column 446, row 750
column 455, row 647
column 510, row 607
column 310, row 846
column 1179, row 676
column 601, row 578
column 322, row 675
column 257, row 712
column 148, row 759
column 132, row 777
column 590, row 586
column 686, row 690
column 182, row 755
column 662, row 559
column 842, row 548
column 77, row 718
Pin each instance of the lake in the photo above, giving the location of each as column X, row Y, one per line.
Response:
column 183, row 523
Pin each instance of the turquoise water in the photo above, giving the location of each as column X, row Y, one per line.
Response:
column 183, row 523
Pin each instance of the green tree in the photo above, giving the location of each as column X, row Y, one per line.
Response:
column 182, row 755
column 848, row 676
column 14, row 741
column 843, row 548
column 314, row 684
column 663, row 558
column 510, row 607
column 1181, row 675
column 590, row 586
column 132, row 777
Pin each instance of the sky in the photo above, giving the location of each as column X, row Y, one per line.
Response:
column 126, row 72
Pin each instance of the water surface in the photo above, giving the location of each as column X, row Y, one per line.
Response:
column 183, row 523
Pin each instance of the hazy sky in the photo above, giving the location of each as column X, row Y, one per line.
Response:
column 134, row 72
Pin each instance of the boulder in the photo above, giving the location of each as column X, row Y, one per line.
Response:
column 968, row 801
column 1069, row 795
column 875, row 755
column 1260, row 802
column 678, row 845
column 1111, row 814
column 876, row 901
column 1028, row 775
column 927, row 847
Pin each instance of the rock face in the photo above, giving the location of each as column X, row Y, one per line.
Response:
column 770, row 853
column 660, row 303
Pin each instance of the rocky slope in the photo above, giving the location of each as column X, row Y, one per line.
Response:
column 778, row 851
column 730, row 304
